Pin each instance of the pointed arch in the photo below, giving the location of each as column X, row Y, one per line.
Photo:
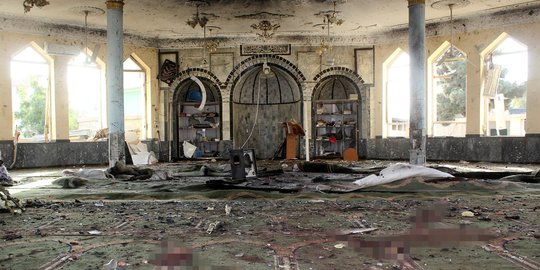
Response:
column 447, row 88
column 32, row 84
column 148, row 92
column 182, row 106
column 259, row 59
column 504, row 72
column 341, row 91
column 86, row 96
column 136, row 102
column 37, row 49
column 345, row 72
column 396, row 94
column 264, row 132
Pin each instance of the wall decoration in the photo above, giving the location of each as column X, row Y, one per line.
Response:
column 267, row 28
column 309, row 63
column 168, row 68
column 364, row 64
column 281, row 49
column 221, row 64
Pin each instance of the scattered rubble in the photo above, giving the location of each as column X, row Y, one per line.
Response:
column 286, row 218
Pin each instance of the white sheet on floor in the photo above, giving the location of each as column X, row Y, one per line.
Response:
column 399, row 172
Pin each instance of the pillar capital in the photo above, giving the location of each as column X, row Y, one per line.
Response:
column 114, row 4
column 416, row 2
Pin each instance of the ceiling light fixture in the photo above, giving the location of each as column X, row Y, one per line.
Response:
column 267, row 71
column 268, row 29
column 29, row 4
column 197, row 19
column 325, row 43
column 210, row 45
column 330, row 18
column 89, row 11
column 451, row 5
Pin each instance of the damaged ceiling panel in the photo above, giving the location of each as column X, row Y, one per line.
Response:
column 168, row 17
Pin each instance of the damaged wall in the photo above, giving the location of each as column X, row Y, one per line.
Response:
column 488, row 149
column 472, row 43
column 12, row 43
column 305, row 58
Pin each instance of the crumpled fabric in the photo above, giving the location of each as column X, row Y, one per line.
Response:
column 399, row 172
column 5, row 179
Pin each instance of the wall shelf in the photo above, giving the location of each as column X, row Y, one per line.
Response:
column 205, row 138
column 334, row 126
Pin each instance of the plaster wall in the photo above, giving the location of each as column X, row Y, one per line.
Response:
column 305, row 58
column 472, row 43
column 12, row 43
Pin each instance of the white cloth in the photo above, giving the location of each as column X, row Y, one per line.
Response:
column 399, row 172
column 140, row 154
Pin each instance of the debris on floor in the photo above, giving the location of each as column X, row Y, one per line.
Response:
column 70, row 182
column 5, row 179
column 12, row 204
column 285, row 218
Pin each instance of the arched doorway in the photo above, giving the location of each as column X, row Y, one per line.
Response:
column 202, row 128
column 337, row 113
column 264, row 95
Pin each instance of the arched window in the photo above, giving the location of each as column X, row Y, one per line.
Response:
column 30, row 82
column 448, row 91
column 85, row 90
column 396, row 70
column 134, row 100
column 505, row 87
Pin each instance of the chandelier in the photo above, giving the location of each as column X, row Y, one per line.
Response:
column 330, row 17
column 29, row 4
column 325, row 43
column 210, row 45
column 197, row 18
column 268, row 29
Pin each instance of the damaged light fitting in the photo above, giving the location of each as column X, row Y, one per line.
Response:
column 210, row 45
column 197, row 19
column 29, row 4
column 331, row 16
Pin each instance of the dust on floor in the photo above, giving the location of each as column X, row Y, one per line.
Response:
column 127, row 222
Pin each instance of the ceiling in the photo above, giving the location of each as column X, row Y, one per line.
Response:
column 166, row 19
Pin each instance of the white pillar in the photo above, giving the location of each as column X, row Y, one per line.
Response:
column 115, row 80
column 417, row 49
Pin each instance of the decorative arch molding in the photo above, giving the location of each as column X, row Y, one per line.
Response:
column 362, row 89
column 197, row 72
column 431, row 85
column 38, row 49
column 175, row 89
column 259, row 60
column 341, row 71
column 486, row 57
column 384, row 98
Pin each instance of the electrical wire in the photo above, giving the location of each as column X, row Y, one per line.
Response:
column 256, row 114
